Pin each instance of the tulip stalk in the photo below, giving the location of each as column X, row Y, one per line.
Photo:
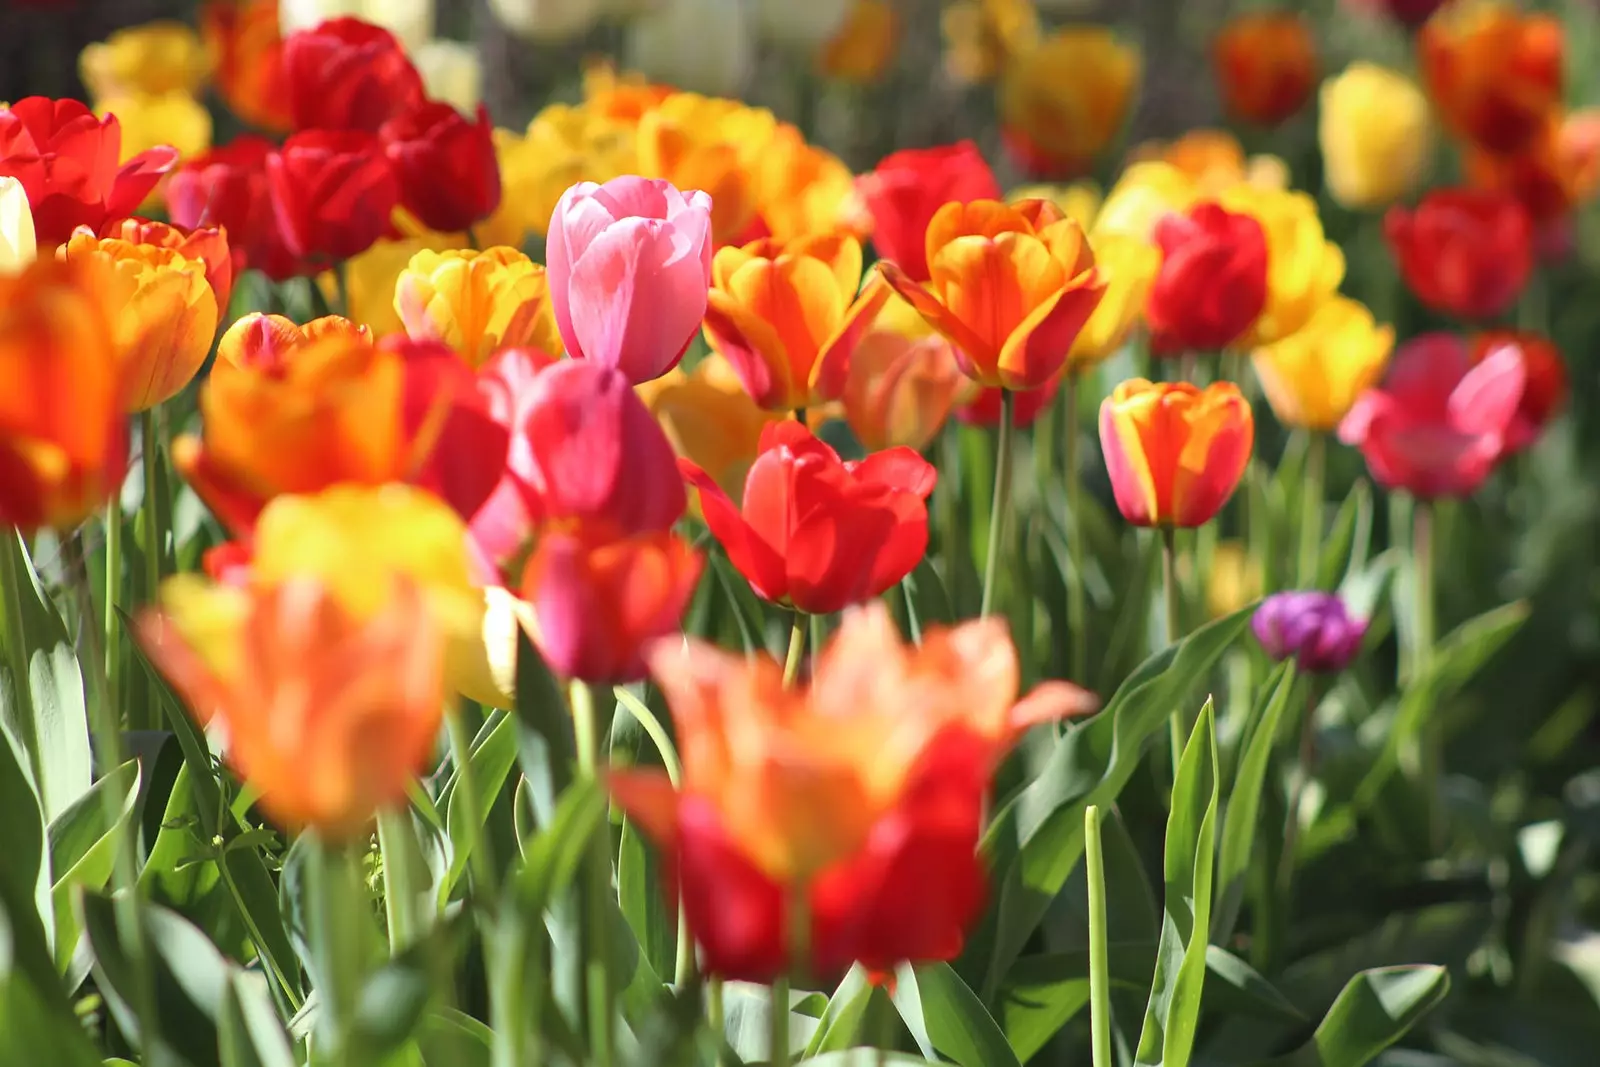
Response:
column 1169, row 584
column 112, row 624
column 334, row 885
column 1311, row 507
column 1077, row 606
column 1002, row 500
column 1307, row 762
column 597, row 971
column 797, row 648
column 1099, row 968
column 150, row 523
column 1422, row 547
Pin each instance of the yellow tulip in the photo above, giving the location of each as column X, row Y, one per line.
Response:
column 152, row 59
column 1062, row 102
column 803, row 190
column 1233, row 579
column 451, row 71
column 1304, row 269
column 1312, row 377
column 1215, row 162
column 18, row 246
column 980, row 36
column 562, row 146
column 863, row 47
column 702, row 142
column 1376, row 133
column 370, row 278
column 1145, row 192
column 477, row 302
column 1128, row 267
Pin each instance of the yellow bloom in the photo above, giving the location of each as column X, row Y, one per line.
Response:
column 451, row 71
column 709, row 419
column 477, row 302
column 802, row 189
column 981, row 35
column 18, row 247
column 1062, row 102
column 1145, row 192
column 149, row 120
column 1304, row 269
column 1128, row 266
column 370, row 278
column 1215, row 162
column 708, row 143
column 1312, row 378
column 1376, row 133
column 864, row 45
column 1233, row 579
column 1080, row 200
column 563, row 145
column 153, row 59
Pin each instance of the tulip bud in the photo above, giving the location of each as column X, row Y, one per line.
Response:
column 1266, row 64
column 1313, row 377
column 907, row 189
column 1062, row 102
column 1312, row 627
column 332, row 193
column 1175, row 452
column 1212, row 285
column 1465, row 252
column 445, row 165
column 346, row 74
column 1376, row 132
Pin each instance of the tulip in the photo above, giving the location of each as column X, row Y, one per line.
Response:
column 908, row 188
column 547, row 20
column 1128, row 267
column 1464, row 252
column 1079, row 201
column 703, row 46
column 244, row 37
column 18, row 244
column 476, row 302
column 844, row 793
column 802, row 190
column 1175, row 452
column 1213, row 162
column 227, row 188
column 1212, row 285
column 348, row 75
column 562, row 146
column 1304, row 268
column 709, row 419
column 267, row 343
column 332, row 193
column 1437, row 425
column 628, row 265
column 1012, row 286
column 698, row 142
column 1266, row 64
column 155, row 123
column 445, row 165
column 1495, row 74
column 818, row 533
column 901, row 389
column 66, row 159
column 411, row 21
column 1376, row 132
column 983, row 37
column 1145, row 194
column 452, row 72
column 63, row 437
column 1553, row 175
column 985, row 408
column 206, row 245
column 370, row 278
column 1313, row 377
column 153, row 58
column 1313, row 628
column 787, row 317
column 1233, row 579
column 1062, row 102
column 1545, row 381
column 862, row 49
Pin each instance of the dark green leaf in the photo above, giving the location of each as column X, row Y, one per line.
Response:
column 1244, row 803
column 249, row 1031
column 1374, row 1011
column 544, row 736
column 35, row 1017
column 840, row 1025
column 450, row 1038
column 957, row 1024
column 494, row 753
column 639, row 892
column 25, row 875
column 196, row 752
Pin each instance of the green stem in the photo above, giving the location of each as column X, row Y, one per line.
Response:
column 797, row 648
column 1169, row 582
column 1002, row 500
column 1077, row 605
column 1099, row 970
column 716, row 1017
column 399, row 888
column 597, row 970
column 268, row 960
column 332, row 883
column 798, row 932
column 945, row 501
column 1307, row 762
column 479, row 862
column 1422, row 549
column 1311, row 508
column 112, row 624
column 150, row 524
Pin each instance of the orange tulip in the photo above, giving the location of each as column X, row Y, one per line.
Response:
column 63, row 437
column 1175, row 452
column 1556, row 172
column 710, row 419
column 901, row 389
column 1495, row 74
column 802, row 190
column 787, row 316
column 701, row 142
column 264, row 342
column 862, row 48
column 1011, row 287
column 207, row 245
column 247, row 48
column 982, row 36
column 1266, row 64
column 1062, row 102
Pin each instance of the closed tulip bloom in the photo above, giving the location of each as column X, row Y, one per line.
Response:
column 1062, row 102
column 1438, row 424
column 1128, row 268
column 332, row 193
column 1544, row 390
column 1312, row 628
column 1376, row 132
column 156, row 57
column 901, row 389
column 908, row 188
column 1011, row 287
column 18, row 244
column 1304, row 268
column 628, row 265
column 1175, row 452
column 476, row 302
column 227, row 188
column 816, row 532
column 445, row 165
column 206, row 245
column 788, row 316
column 1556, row 173
column 63, row 436
column 855, row 793
column 67, row 160
column 370, row 278
column 862, row 49
column 1212, row 286
column 1266, row 64
column 1465, row 252
column 346, row 74
column 1313, row 377
column 1495, row 74
column 700, row 142
column 263, row 342
column 245, row 39
column 709, row 419
column 1144, row 194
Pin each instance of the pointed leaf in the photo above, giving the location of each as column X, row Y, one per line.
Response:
column 958, row 1025
column 1244, row 803
column 1375, row 1010
column 83, row 849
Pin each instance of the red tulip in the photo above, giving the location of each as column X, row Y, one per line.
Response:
column 1026, row 406
column 817, row 532
column 65, row 156
column 347, row 74
column 449, row 178
column 1465, row 252
column 908, row 187
column 1212, row 284
column 1266, row 64
column 1545, row 391
column 332, row 193
column 228, row 187
column 1438, row 424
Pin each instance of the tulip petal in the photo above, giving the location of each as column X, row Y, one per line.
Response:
column 649, row 799
column 750, row 554
column 832, row 368
column 137, row 178
column 1052, row 701
column 753, row 349
column 1487, row 397
column 1038, row 348
column 898, row 468
column 939, row 317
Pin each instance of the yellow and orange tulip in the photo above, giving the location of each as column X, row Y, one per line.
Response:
column 1062, row 102
column 901, row 389
column 1175, row 452
column 477, row 302
column 711, row 144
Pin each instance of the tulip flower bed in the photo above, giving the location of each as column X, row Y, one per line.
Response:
column 633, row 591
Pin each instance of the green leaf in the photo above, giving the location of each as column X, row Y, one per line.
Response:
column 1238, row 988
column 196, row 750
column 957, row 1024
column 840, row 1025
column 552, row 859
column 34, row 1014
column 494, row 753
column 1244, row 803
column 1374, row 1011
column 249, row 1032
column 867, row 1057
column 392, row 1003
column 450, row 1038
column 1346, row 549
column 83, row 849
column 544, row 737
column 1173, row 1013
column 25, row 875
column 639, row 881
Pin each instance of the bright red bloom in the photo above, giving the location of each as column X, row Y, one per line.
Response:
column 1438, row 425
column 1026, row 405
column 817, row 532
column 1213, row 280
column 449, row 177
column 206, row 244
column 66, row 157
column 909, row 186
column 333, row 193
column 227, row 187
column 1465, row 252
column 347, row 74
column 1266, row 65
column 1544, row 392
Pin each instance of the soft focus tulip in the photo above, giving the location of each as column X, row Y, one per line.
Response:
column 1213, row 161
column 18, row 244
column 1266, row 64
column 267, row 343
column 67, row 160
column 445, row 165
column 1494, row 73
column 370, row 278
column 861, row 50
column 1464, row 252
column 153, row 58
column 348, row 75
column 244, row 39
column 1304, row 268
column 206, row 245
column 710, row 419
column 476, row 302
column 703, row 46
column 1062, row 102
column 1233, row 578
column 1376, row 132
column 987, row 408
column 860, row 791
column 982, row 37
column 63, row 437
column 1212, row 285
column 1313, row 628
column 452, row 72
column 1409, row 13
column 411, row 21
column 816, row 532
column 901, row 389
column 547, row 20
column 1437, row 425
column 1144, row 194
column 332, row 193
column 1557, row 172
column 787, row 317
column 1175, row 452
column 329, row 715
column 1079, row 201
column 629, row 262
column 699, row 142
column 1545, row 381
column 1012, row 286
column 1128, row 268
column 562, row 146
column 802, row 190
column 908, row 188
column 227, row 188
column 1312, row 377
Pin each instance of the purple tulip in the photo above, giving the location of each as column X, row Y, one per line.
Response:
column 1312, row 627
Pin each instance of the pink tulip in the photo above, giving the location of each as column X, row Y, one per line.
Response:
column 629, row 263
column 1438, row 424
